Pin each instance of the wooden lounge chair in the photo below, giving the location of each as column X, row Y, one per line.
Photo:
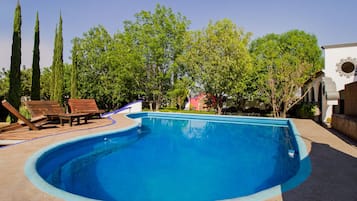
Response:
column 33, row 124
column 84, row 106
column 50, row 109
column 53, row 111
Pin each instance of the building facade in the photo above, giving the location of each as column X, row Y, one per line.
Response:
column 340, row 68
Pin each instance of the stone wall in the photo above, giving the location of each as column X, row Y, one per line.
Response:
column 346, row 122
column 350, row 99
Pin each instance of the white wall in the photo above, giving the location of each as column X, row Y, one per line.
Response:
column 133, row 107
column 333, row 56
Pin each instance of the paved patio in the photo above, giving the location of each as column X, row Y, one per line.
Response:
column 333, row 160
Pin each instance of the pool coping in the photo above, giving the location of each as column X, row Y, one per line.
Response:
column 302, row 174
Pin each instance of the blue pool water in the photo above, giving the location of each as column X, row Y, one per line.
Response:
column 179, row 157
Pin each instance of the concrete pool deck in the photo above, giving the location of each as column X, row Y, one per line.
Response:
column 333, row 161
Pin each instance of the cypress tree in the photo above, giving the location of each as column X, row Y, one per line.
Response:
column 53, row 67
column 57, row 66
column 74, row 76
column 60, row 70
column 15, row 73
column 35, row 87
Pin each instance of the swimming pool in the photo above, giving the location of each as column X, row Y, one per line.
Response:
column 175, row 157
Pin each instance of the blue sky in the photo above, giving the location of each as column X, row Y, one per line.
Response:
column 332, row 21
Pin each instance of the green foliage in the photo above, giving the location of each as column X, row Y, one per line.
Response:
column 15, row 75
column 67, row 71
column 180, row 91
column 220, row 59
column 4, row 89
column 156, row 58
column 158, row 36
column 53, row 66
column 46, row 83
column 108, row 70
column 138, row 62
column 35, row 87
column 4, row 82
column 128, row 68
column 23, row 110
column 57, row 90
column 283, row 64
column 74, row 73
column 26, row 82
column 95, row 66
column 307, row 110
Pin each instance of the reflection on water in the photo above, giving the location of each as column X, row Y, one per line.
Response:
column 193, row 129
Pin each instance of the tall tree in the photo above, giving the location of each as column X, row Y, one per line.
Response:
column 95, row 65
column 159, row 36
column 15, row 74
column 53, row 66
column 220, row 58
column 35, row 87
column 57, row 65
column 284, row 63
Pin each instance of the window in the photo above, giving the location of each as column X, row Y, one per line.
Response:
column 346, row 67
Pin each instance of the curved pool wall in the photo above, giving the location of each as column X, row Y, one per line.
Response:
column 38, row 159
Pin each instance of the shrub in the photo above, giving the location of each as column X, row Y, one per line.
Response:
column 308, row 110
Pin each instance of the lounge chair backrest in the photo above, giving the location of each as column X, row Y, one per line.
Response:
column 83, row 105
column 17, row 114
column 43, row 108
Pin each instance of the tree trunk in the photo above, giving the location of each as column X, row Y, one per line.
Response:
column 158, row 103
column 150, row 105
column 275, row 108
column 285, row 110
column 219, row 104
column 179, row 103
column 219, row 109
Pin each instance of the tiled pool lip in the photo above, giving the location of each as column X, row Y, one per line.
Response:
column 302, row 174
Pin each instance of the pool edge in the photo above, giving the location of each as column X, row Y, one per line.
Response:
column 302, row 174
